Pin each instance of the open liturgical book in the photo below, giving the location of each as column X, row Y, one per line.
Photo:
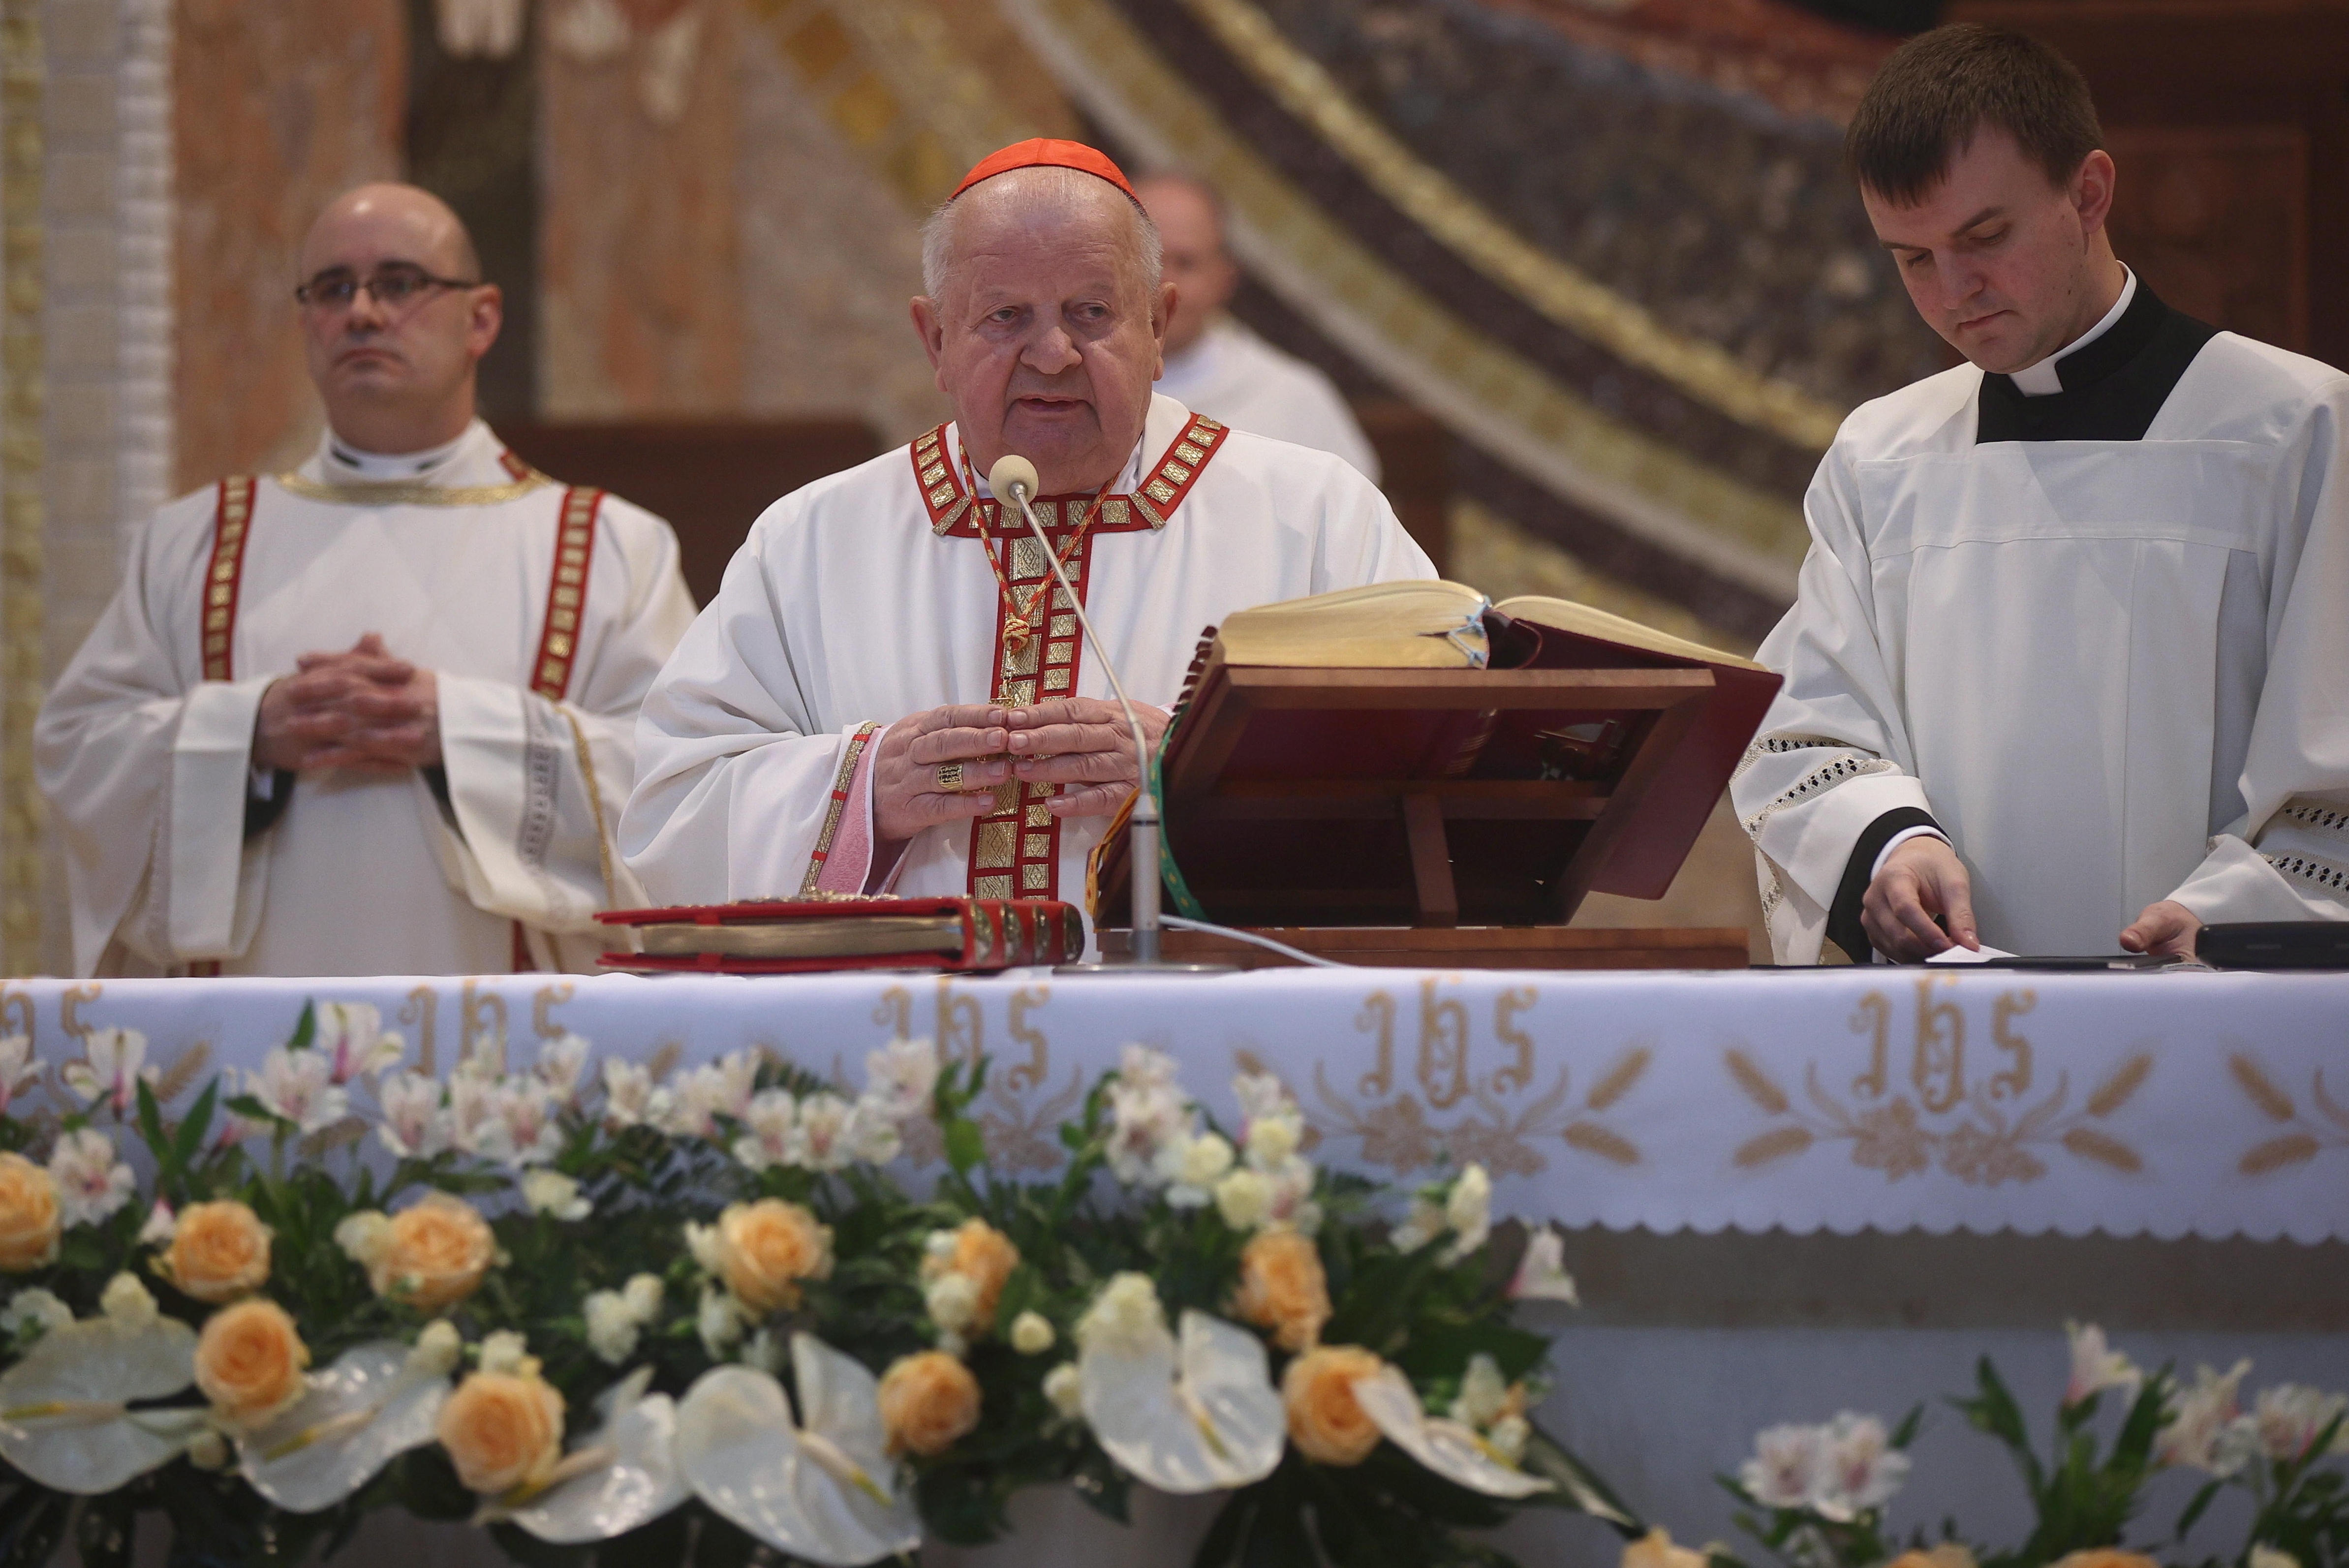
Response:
column 1410, row 753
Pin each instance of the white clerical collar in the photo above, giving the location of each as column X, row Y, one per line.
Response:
column 2040, row 380
column 1127, row 482
column 379, row 467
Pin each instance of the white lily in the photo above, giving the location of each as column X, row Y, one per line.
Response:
column 1452, row 1449
column 350, row 1036
column 65, row 1415
column 622, row 1476
column 1200, row 1415
column 110, row 1071
column 375, row 1402
column 298, row 1087
column 1541, row 1274
column 825, row 1491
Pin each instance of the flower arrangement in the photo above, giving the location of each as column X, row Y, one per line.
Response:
column 670, row 1318
column 1816, row 1496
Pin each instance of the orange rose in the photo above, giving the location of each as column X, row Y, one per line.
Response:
column 928, row 1401
column 985, row 1256
column 435, row 1253
column 30, row 1222
column 1326, row 1422
column 766, row 1248
column 1655, row 1550
column 1958, row 1555
column 2104, row 1557
column 249, row 1361
column 1283, row 1288
column 219, row 1251
column 503, row 1430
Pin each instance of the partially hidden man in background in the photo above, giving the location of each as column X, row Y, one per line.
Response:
column 1217, row 367
column 2070, row 661
column 884, row 696
column 377, row 714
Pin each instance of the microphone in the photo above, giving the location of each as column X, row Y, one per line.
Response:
column 1013, row 478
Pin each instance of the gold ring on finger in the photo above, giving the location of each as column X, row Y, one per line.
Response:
column 949, row 775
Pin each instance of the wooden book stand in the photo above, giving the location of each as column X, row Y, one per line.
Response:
column 1428, row 799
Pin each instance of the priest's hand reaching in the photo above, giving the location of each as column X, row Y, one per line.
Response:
column 1082, row 743
column 2164, row 928
column 908, row 795
column 1922, row 877
column 361, row 708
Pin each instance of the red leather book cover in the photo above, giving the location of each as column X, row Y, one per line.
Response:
column 995, row 933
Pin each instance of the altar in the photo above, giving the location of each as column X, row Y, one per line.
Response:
column 1784, row 1194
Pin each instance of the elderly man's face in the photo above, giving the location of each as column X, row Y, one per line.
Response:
column 369, row 353
column 1046, row 336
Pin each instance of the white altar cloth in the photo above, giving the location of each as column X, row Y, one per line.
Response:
column 2162, row 1105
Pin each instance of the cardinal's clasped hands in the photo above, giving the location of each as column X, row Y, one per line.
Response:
column 945, row 765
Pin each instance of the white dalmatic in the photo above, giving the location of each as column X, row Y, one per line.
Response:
column 869, row 596
column 2115, row 672
column 545, row 611
column 1232, row 375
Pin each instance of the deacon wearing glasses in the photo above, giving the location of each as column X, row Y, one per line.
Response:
column 375, row 714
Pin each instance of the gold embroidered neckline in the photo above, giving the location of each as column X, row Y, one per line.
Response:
column 408, row 494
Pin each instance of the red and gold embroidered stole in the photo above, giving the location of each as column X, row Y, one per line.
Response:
column 1015, row 848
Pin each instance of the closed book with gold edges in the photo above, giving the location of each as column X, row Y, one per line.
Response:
column 807, row 936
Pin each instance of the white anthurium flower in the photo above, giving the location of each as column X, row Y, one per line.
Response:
column 113, row 1062
column 65, row 1415
column 820, row 1487
column 622, row 1475
column 18, row 1070
column 1541, row 1273
column 350, row 1036
column 298, row 1087
column 1197, row 1414
column 375, row 1403
column 1452, row 1449
column 91, row 1182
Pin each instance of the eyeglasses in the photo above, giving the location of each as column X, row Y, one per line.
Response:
column 390, row 286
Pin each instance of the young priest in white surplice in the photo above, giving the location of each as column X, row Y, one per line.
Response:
column 2070, row 663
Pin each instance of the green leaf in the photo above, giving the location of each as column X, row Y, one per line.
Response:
column 1906, row 1433
column 1220, row 1547
column 306, row 1029
column 151, row 1124
column 966, row 1145
column 190, row 1141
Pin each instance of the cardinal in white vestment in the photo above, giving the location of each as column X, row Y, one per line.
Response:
column 375, row 714
column 2070, row 663
column 1218, row 367
column 886, row 694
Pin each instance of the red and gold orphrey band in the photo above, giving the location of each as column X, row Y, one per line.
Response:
column 232, row 526
column 566, row 592
column 1015, row 850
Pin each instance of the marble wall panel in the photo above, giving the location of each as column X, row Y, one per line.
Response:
column 831, row 256
column 640, row 300
column 278, row 108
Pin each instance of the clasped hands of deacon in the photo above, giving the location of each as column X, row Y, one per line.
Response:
column 943, row 765
column 1922, row 902
column 361, row 708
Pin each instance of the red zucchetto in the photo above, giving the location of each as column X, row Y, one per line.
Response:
column 1048, row 153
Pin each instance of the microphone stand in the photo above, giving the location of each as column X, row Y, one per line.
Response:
column 1143, row 825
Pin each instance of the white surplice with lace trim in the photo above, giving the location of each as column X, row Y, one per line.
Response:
column 148, row 766
column 2113, row 671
